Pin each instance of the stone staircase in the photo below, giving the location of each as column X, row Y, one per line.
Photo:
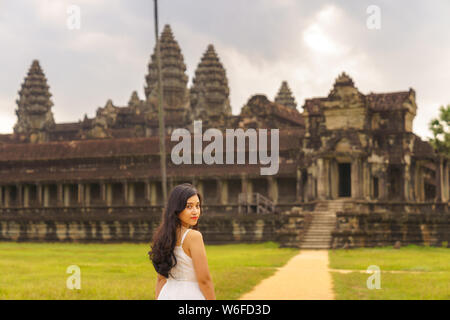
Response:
column 318, row 235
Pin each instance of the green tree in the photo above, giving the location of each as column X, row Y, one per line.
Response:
column 441, row 131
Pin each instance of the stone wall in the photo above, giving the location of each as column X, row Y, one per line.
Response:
column 138, row 226
column 362, row 229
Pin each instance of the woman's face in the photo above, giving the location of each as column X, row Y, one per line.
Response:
column 189, row 216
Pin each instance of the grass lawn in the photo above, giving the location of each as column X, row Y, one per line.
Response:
column 422, row 273
column 123, row 271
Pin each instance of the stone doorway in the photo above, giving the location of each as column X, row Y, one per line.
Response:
column 395, row 181
column 345, row 181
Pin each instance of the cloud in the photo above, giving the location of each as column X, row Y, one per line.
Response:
column 306, row 43
column 316, row 35
column 7, row 115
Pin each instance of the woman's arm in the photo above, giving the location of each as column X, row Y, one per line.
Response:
column 198, row 253
column 160, row 282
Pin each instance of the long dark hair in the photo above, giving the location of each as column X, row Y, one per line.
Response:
column 165, row 237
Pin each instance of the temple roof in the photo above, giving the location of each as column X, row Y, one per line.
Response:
column 423, row 148
column 144, row 172
column 105, row 148
column 69, row 126
column 387, row 101
column 258, row 105
column 374, row 101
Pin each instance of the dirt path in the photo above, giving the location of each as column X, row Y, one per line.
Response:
column 305, row 277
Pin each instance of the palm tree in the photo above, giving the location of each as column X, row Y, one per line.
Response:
column 441, row 131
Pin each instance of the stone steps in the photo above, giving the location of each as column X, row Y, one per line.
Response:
column 316, row 242
column 322, row 223
column 318, row 235
column 324, row 228
column 315, row 246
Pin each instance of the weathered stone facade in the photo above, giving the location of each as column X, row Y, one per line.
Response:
column 347, row 145
column 138, row 224
column 388, row 223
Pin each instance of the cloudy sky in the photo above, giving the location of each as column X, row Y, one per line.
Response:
column 260, row 42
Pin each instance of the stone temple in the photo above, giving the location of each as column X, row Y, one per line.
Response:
column 352, row 172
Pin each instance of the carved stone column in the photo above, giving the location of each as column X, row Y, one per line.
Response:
column 310, row 187
column 87, row 195
column 46, row 196
column 109, row 194
column 244, row 184
column 322, row 180
column 299, row 186
column 26, row 196
column 131, row 194
column 367, row 180
column 407, row 183
column 419, row 184
column 355, row 179
column 38, row 194
column 7, row 197
column 249, row 187
column 223, row 189
column 60, row 195
column 103, row 192
column 19, row 201
column 327, row 167
column 125, row 190
column 334, row 179
column 382, row 184
column 66, row 195
column 273, row 189
column 153, row 193
column 81, row 193
column 147, row 192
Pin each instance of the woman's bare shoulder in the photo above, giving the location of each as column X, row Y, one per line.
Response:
column 194, row 235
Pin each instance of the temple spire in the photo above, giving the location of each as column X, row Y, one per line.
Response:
column 174, row 78
column 210, row 91
column 344, row 87
column 285, row 96
column 34, row 114
column 344, row 80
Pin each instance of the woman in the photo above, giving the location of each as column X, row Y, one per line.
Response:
column 178, row 252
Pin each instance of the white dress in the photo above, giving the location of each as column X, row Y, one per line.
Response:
column 182, row 283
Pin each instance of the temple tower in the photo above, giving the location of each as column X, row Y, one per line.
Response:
column 285, row 96
column 174, row 78
column 210, row 91
column 34, row 115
